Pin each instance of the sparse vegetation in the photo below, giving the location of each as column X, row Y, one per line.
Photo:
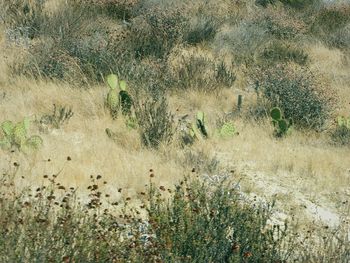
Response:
column 154, row 86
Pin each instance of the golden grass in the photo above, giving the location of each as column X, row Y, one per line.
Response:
column 302, row 162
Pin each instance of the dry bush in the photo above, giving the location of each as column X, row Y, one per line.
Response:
column 201, row 28
column 155, row 32
column 198, row 69
column 119, row 9
column 155, row 122
column 331, row 25
column 241, row 40
column 280, row 52
column 24, row 16
column 301, row 94
column 341, row 135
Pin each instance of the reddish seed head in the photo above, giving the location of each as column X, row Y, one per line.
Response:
column 151, row 175
column 162, row 188
column 98, row 177
column 193, row 170
column 120, row 190
column 68, row 158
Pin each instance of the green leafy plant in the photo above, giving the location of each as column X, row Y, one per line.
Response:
column 16, row 136
column 282, row 125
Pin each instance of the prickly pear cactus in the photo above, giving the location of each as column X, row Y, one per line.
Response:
column 20, row 133
column 112, row 81
column 276, row 114
column 282, row 126
column 201, row 124
column 227, row 130
column 343, row 122
column 195, row 132
column 117, row 99
column 125, row 99
column 7, row 127
column 16, row 136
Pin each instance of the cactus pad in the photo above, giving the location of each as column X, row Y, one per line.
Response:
column 227, row 130
column 19, row 134
column 125, row 102
column 122, row 85
column 112, row 100
column 200, row 116
column 276, row 114
column 112, row 81
column 7, row 127
column 283, row 125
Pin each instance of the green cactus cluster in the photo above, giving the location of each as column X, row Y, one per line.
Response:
column 282, row 125
column 16, row 136
column 118, row 97
column 343, row 122
column 199, row 129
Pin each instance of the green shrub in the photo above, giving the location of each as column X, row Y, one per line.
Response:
column 210, row 223
column 191, row 222
column 299, row 93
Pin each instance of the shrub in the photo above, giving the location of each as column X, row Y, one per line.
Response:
column 191, row 222
column 119, row 9
column 279, row 52
column 242, row 41
column 195, row 69
column 23, row 15
column 154, row 120
column 205, row 222
column 302, row 95
column 201, row 28
column 155, row 32
column 297, row 4
column 331, row 25
column 341, row 133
